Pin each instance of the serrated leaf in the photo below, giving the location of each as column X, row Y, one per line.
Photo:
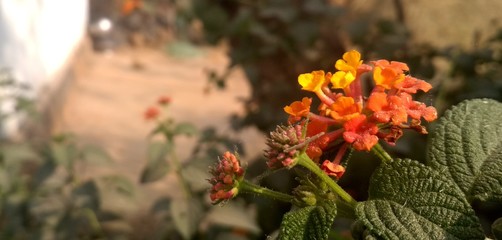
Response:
column 466, row 146
column 408, row 200
column 157, row 166
column 186, row 216
column 312, row 223
column 233, row 215
column 186, row 129
column 497, row 229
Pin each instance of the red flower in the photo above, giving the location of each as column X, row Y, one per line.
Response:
column 360, row 133
column 151, row 113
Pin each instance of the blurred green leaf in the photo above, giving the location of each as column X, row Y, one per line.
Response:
column 63, row 154
column 196, row 173
column 119, row 184
column 15, row 154
column 157, row 166
column 96, row 155
column 186, row 129
column 497, row 229
column 234, row 215
column 86, row 195
column 186, row 214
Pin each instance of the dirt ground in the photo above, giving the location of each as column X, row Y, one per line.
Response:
column 104, row 106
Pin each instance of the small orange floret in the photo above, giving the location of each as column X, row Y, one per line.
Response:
column 387, row 108
column 333, row 169
column 344, row 109
column 416, row 109
column 388, row 74
column 299, row 109
column 360, row 133
column 412, row 85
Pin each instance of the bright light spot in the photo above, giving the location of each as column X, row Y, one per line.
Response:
column 105, row 24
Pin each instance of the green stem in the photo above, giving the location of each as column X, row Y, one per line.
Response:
column 248, row 187
column 305, row 161
column 177, row 169
column 381, row 153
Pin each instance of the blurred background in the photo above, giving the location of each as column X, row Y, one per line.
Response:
column 79, row 159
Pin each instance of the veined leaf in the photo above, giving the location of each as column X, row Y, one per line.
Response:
column 308, row 223
column 408, row 200
column 466, row 146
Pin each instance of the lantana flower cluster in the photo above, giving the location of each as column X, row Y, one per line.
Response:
column 344, row 113
column 227, row 175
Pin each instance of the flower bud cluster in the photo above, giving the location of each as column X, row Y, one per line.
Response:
column 281, row 143
column 227, row 174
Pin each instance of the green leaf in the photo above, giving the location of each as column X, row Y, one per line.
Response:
column 186, row 215
column 196, row 173
column 186, row 129
column 86, row 195
column 466, row 147
column 313, row 222
column 497, row 229
column 488, row 184
column 408, row 200
column 157, row 166
column 96, row 155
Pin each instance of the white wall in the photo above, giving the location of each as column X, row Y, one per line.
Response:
column 37, row 38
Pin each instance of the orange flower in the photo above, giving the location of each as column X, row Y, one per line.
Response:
column 347, row 69
column 333, row 169
column 312, row 81
column 151, row 113
column 387, row 108
column 387, row 74
column 412, row 85
column 417, row 110
column 344, row 109
column 299, row 109
column 360, row 133
column 130, row 5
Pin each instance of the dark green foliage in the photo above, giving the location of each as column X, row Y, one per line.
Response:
column 466, row 147
column 308, row 223
column 411, row 201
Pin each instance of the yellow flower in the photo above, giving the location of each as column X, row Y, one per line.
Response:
column 312, row 81
column 350, row 62
column 347, row 69
column 342, row 79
